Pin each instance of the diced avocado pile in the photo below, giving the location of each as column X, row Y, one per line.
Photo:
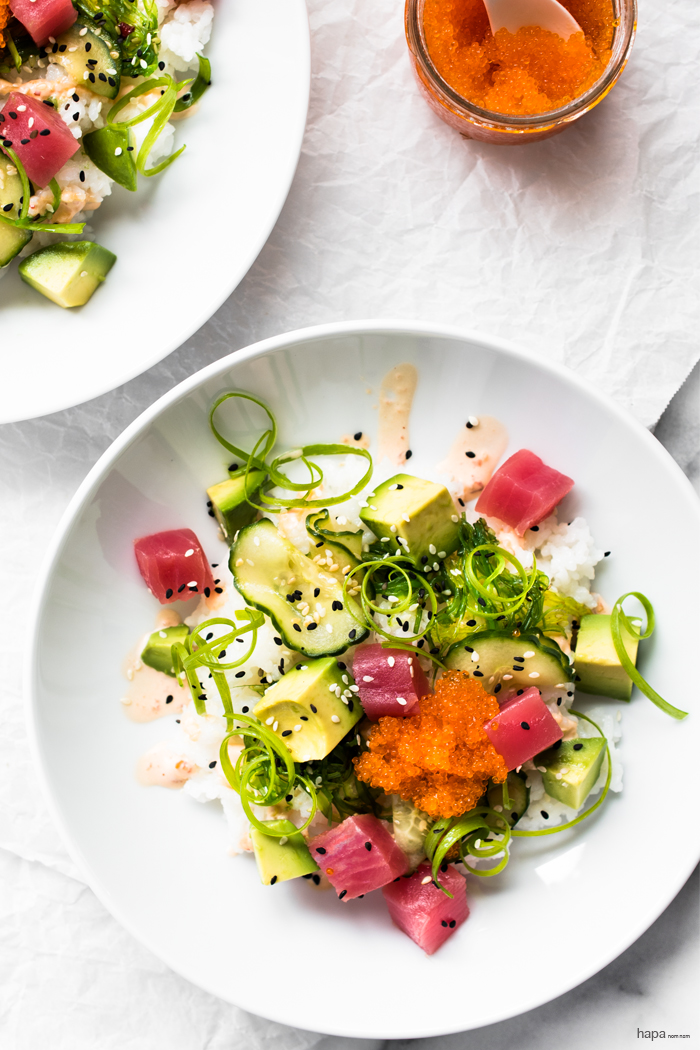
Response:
column 413, row 517
column 598, row 666
column 281, row 858
column 572, row 769
column 69, row 272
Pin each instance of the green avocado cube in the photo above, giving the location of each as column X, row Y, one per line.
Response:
column 572, row 769
column 68, row 272
column 229, row 503
column 311, row 708
column 157, row 650
column 414, row 516
column 279, row 859
column 598, row 669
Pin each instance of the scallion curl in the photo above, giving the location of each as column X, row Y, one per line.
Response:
column 465, row 832
column 620, row 621
column 369, row 607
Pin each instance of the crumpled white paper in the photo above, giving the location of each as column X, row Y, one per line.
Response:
column 582, row 249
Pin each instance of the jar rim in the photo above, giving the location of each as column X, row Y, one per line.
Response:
column 625, row 12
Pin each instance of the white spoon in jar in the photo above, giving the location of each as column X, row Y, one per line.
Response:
column 515, row 14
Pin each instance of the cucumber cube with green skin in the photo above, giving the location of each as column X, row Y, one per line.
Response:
column 572, row 769
column 415, row 517
column 157, row 652
column 229, row 503
column 68, row 272
column 279, row 859
column 598, row 668
column 12, row 240
column 311, row 708
column 111, row 149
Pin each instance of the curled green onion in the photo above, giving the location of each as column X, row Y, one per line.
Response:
column 591, row 809
column 486, row 586
column 257, row 460
column 161, row 111
column 620, row 621
column 201, row 84
column 369, row 608
column 12, row 48
column 465, row 832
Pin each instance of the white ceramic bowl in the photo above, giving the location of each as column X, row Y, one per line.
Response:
column 567, row 904
column 187, row 237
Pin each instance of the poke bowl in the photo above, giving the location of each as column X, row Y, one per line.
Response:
column 178, row 867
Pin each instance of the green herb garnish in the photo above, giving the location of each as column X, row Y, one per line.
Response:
column 619, row 622
column 140, row 47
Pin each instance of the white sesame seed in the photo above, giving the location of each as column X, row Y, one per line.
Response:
column 475, row 658
column 334, row 718
column 436, row 565
column 344, row 679
column 85, row 76
column 393, row 599
column 534, row 674
column 442, row 554
column 474, row 421
column 52, row 39
column 329, row 628
column 269, row 721
column 239, row 561
column 364, row 503
column 426, row 880
column 126, row 701
column 542, row 769
column 499, row 809
column 143, row 64
column 249, row 562
column 354, row 688
column 400, row 700
column 390, row 660
column 392, row 487
column 530, row 652
column 75, row 48
column 284, row 840
column 406, row 518
column 507, row 677
column 386, row 539
column 276, row 726
column 162, row 634
column 189, row 553
column 358, row 738
column 83, row 273
column 83, row 31
column 368, row 678
column 112, row 72
column 455, row 518
column 432, row 549
column 392, row 528
column 192, row 583
column 331, row 688
column 297, row 728
column 256, row 541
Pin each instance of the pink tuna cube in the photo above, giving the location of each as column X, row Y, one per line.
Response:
column 174, row 565
column 522, row 728
column 37, row 135
column 44, row 18
column 358, row 856
column 423, row 911
column 391, row 681
column 523, row 491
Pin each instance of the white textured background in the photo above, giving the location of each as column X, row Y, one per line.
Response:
column 584, row 250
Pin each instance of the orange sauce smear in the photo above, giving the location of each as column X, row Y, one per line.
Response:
column 441, row 759
column 520, row 74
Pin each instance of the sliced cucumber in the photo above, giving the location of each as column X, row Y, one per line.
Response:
column 12, row 240
column 320, row 527
column 518, row 797
column 89, row 58
column 275, row 577
column 505, row 664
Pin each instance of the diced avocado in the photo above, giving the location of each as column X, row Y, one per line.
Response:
column 228, row 501
column 415, row 516
column 112, row 150
column 279, row 859
column 311, row 708
column 92, row 59
column 572, row 769
column 157, row 650
column 68, row 272
column 597, row 666
column 12, row 240
column 518, row 798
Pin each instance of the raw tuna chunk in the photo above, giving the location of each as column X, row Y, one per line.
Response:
column 174, row 565
column 358, row 856
column 37, row 135
column 44, row 18
column 522, row 728
column 523, row 491
column 423, row 911
column 391, row 681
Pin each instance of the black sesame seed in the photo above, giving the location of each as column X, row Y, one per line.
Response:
column 478, row 674
column 578, row 747
column 556, row 746
column 569, row 694
column 520, row 692
column 469, row 425
column 276, row 640
column 320, row 544
column 524, row 725
column 111, row 81
column 202, row 696
column 316, row 880
column 193, row 588
column 207, row 591
column 358, row 435
column 286, row 732
column 273, row 880
column 169, row 592
column 360, row 897
column 337, row 606
column 513, row 817
column 304, row 718
column 181, row 588
column 46, row 131
column 350, row 705
column 453, row 923
column 321, row 849
column 288, row 798
column 469, row 648
column 209, row 512
column 169, row 698
column 481, row 601
column 470, row 455
column 314, row 709
column 401, row 486
column 352, row 633
column 317, row 591
column 544, row 814
column 435, row 650
column 91, row 78
column 368, row 846
column 178, row 721
column 212, row 764
column 101, row 76
column 460, row 501
column 444, row 923
column 161, row 66
column 607, row 554
column 311, row 626
column 471, row 623
column 497, row 688
column 408, row 456
column 244, row 710
column 23, row 142
column 7, row 142
column 558, row 701
column 219, row 590
column 342, row 894
column 233, row 466
column 14, row 116
column 443, row 868
column 88, row 47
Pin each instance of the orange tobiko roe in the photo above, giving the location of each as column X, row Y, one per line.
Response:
column 522, row 74
column 441, row 759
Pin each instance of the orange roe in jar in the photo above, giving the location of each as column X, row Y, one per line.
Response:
column 524, row 73
column 441, row 759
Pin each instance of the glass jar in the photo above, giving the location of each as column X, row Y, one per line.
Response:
column 476, row 123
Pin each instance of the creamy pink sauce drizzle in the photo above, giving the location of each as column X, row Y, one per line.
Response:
column 361, row 442
column 395, row 401
column 146, row 697
column 163, row 766
column 487, row 439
